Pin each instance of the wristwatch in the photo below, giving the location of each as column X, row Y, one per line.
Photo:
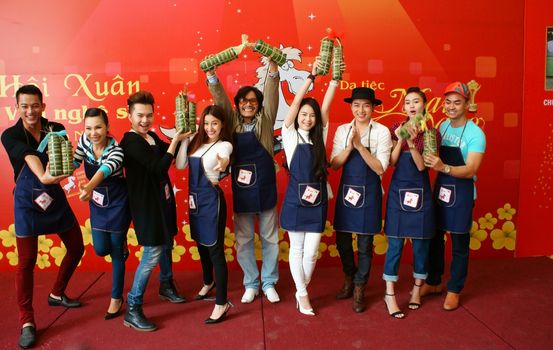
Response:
column 447, row 169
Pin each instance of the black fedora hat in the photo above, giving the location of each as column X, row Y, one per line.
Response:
column 363, row 93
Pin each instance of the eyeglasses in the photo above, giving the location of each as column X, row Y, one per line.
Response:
column 252, row 101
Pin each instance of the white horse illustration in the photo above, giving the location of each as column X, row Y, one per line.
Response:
column 70, row 184
column 293, row 77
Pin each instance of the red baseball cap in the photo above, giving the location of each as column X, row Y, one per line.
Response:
column 459, row 88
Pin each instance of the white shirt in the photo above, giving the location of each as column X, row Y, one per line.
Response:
column 209, row 158
column 380, row 142
column 291, row 139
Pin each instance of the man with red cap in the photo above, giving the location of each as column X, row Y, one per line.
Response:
column 461, row 153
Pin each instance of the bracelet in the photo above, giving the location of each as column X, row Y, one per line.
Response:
column 412, row 146
column 311, row 76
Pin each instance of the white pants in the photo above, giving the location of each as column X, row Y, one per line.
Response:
column 304, row 247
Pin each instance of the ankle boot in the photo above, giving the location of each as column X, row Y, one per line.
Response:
column 359, row 298
column 347, row 290
column 134, row 318
column 167, row 291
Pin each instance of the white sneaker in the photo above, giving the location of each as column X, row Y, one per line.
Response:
column 272, row 295
column 249, row 295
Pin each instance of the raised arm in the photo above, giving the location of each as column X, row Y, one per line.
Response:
column 270, row 93
column 295, row 106
column 220, row 97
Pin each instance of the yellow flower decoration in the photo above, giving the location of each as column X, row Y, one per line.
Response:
column 229, row 238
column 131, row 237
column 506, row 237
column 59, row 252
column 322, row 248
column 281, row 234
column 187, row 234
column 87, row 233
column 42, row 260
column 329, row 229
column 380, row 243
column 354, row 242
column 177, row 252
column 229, row 256
column 257, row 247
column 194, row 252
column 507, row 212
column 284, row 251
column 488, row 221
column 476, row 236
column 8, row 236
column 139, row 253
column 333, row 251
column 13, row 257
column 44, row 244
column 107, row 258
column 1, row 255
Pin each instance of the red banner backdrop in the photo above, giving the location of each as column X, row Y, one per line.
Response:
column 96, row 53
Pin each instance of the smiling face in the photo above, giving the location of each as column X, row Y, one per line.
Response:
column 96, row 130
column 141, row 117
column 29, row 109
column 413, row 104
column 306, row 117
column 248, row 105
column 455, row 106
column 362, row 110
column 212, row 128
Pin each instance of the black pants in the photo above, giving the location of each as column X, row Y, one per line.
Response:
column 213, row 258
column 460, row 243
column 344, row 242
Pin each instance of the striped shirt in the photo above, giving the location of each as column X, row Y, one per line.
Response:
column 110, row 162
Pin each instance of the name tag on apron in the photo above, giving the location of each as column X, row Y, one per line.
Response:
column 444, row 195
column 167, row 193
column 98, row 198
column 352, row 196
column 191, row 202
column 411, row 199
column 244, row 176
column 44, row 200
column 310, row 194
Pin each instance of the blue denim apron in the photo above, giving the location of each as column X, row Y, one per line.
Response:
column 454, row 196
column 109, row 203
column 167, row 200
column 359, row 203
column 253, row 175
column 203, row 203
column 306, row 200
column 409, row 208
column 40, row 209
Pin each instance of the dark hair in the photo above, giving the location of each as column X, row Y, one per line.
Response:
column 28, row 90
column 418, row 91
column 243, row 91
column 316, row 135
column 201, row 137
column 97, row 112
column 140, row 97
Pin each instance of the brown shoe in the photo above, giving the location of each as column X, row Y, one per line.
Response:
column 347, row 290
column 359, row 298
column 428, row 289
column 451, row 301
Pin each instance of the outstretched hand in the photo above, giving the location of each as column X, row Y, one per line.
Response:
column 48, row 179
column 222, row 163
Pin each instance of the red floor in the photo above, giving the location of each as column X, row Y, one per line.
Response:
column 506, row 304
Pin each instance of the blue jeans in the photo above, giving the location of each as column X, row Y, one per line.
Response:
column 344, row 242
column 245, row 250
column 151, row 256
column 111, row 243
column 393, row 257
column 459, row 263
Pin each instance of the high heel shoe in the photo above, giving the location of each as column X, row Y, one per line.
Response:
column 203, row 296
column 414, row 305
column 308, row 312
column 210, row 320
column 398, row 314
column 111, row 315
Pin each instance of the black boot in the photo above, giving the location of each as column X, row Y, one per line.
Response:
column 167, row 291
column 347, row 290
column 134, row 318
column 359, row 304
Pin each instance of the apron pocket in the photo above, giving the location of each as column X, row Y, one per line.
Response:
column 309, row 194
column 100, row 197
column 43, row 199
column 411, row 199
column 446, row 195
column 353, row 196
column 245, row 175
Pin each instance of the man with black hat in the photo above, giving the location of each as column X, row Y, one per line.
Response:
column 461, row 153
column 362, row 147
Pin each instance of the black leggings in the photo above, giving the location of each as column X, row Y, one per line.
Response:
column 213, row 258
